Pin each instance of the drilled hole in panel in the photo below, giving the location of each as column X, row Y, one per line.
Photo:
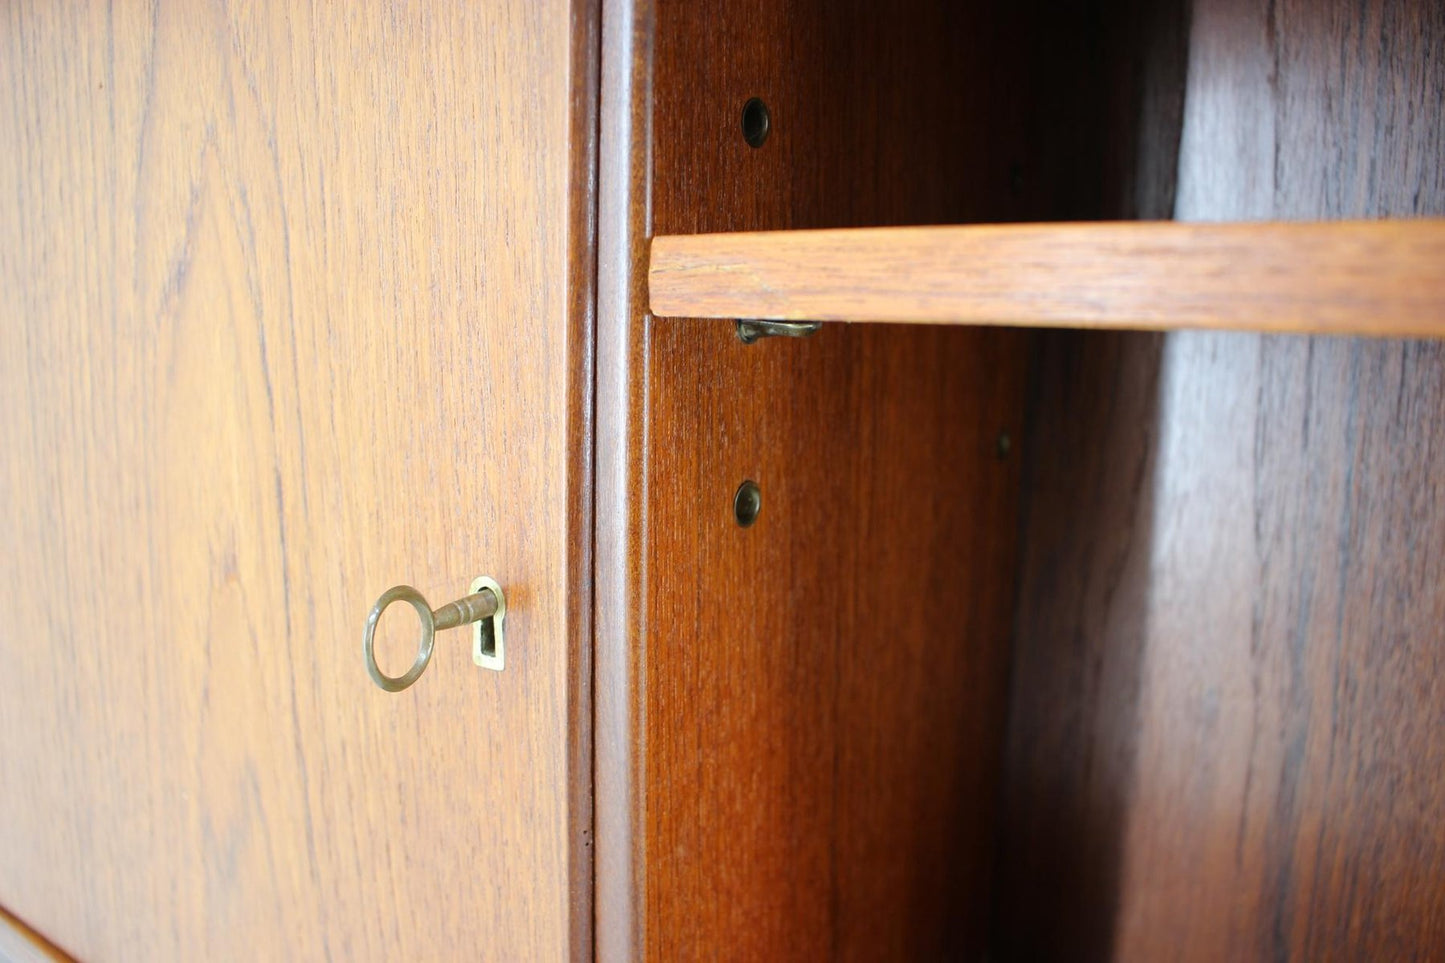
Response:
column 757, row 122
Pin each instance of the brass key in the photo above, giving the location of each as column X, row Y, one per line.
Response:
column 484, row 609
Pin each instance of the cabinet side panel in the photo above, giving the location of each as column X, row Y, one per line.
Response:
column 1228, row 701
column 824, row 690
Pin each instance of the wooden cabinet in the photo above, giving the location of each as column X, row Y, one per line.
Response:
column 1036, row 644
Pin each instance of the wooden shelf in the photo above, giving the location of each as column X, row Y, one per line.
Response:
column 1384, row 278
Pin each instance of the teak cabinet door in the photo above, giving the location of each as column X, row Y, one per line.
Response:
column 288, row 318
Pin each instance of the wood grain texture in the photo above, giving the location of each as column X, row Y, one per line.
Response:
column 20, row 944
column 624, row 186
column 1383, row 278
column 825, row 689
column 252, row 253
column 802, row 746
column 1228, row 692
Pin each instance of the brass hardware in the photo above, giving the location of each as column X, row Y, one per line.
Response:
column 751, row 331
column 484, row 609
column 488, row 644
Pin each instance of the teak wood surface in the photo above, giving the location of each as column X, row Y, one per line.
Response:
column 1227, row 732
column 1383, row 278
column 288, row 319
